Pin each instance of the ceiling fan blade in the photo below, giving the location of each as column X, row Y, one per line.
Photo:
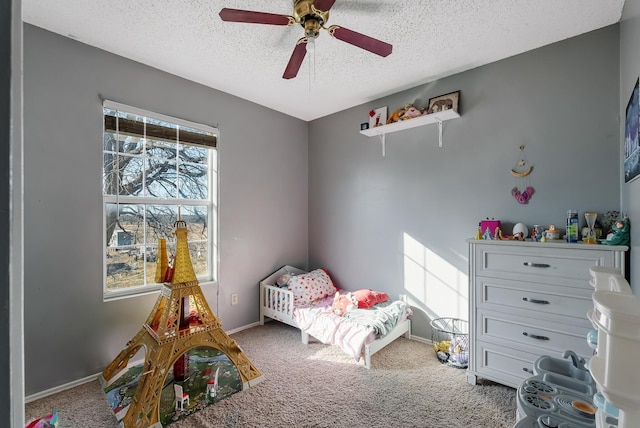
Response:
column 367, row 43
column 296, row 59
column 251, row 17
column 323, row 5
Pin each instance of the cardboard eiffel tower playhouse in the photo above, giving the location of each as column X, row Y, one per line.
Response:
column 180, row 322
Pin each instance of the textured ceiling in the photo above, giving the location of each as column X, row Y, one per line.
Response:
column 431, row 39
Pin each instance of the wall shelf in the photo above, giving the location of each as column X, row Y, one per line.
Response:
column 427, row 119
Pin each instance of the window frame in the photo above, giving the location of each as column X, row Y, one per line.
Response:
column 211, row 202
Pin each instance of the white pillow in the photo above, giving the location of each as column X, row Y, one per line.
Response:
column 312, row 286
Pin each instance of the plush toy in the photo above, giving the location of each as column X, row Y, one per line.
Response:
column 396, row 115
column 458, row 345
column 442, row 346
column 442, row 350
column 410, row 112
column 620, row 233
column 458, row 351
column 343, row 303
column 49, row 421
column 366, row 298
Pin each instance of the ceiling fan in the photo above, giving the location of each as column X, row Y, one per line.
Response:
column 312, row 15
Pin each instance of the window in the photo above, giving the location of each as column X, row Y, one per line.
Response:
column 155, row 168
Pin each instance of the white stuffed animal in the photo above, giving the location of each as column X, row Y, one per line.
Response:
column 343, row 303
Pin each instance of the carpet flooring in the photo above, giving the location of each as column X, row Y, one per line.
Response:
column 318, row 385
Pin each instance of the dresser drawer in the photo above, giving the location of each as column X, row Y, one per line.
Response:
column 544, row 334
column 540, row 264
column 508, row 295
column 507, row 365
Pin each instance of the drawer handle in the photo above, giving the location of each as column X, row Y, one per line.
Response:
column 527, row 370
column 538, row 265
column 540, row 302
column 535, row 336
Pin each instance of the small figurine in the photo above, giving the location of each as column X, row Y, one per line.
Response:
column 487, row 235
column 479, row 233
column 497, row 234
column 212, row 385
column 543, row 238
column 518, row 236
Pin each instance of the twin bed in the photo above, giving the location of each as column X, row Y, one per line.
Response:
column 358, row 332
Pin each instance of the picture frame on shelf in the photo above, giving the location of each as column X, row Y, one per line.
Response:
column 448, row 101
column 377, row 117
column 631, row 136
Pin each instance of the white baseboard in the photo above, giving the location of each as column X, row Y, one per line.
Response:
column 239, row 329
column 60, row 388
column 91, row 378
column 421, row 339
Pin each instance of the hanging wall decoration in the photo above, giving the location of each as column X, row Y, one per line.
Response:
column 522, row 191
column 632, row 136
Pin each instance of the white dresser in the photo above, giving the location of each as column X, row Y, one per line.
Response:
column 528, row 299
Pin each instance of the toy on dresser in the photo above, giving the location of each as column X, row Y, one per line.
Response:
column 619, row 233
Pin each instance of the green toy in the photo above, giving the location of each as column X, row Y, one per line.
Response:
column 620, row 234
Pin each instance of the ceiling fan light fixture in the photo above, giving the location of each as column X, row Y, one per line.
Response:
column 311, row 45
column 311, row 28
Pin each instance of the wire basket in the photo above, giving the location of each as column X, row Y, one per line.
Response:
column 450, row 338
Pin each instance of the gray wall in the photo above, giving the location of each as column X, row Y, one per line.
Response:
column 629, row 72
column 399, row 223
column 70, row 333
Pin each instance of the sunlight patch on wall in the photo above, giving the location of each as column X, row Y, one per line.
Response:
column 432, row 283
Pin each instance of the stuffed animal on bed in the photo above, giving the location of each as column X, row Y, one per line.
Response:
column 359, row 299
column 343, row 303
column 368, row 298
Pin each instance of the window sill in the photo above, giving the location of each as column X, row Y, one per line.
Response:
column 143, row 291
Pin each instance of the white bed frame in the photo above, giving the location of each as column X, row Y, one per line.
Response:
column 270, row 295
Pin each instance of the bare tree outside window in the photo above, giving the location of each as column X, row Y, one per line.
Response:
column 149, row 175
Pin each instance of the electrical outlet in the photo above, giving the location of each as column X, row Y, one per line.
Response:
column 234, row 299
column 403, row 297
